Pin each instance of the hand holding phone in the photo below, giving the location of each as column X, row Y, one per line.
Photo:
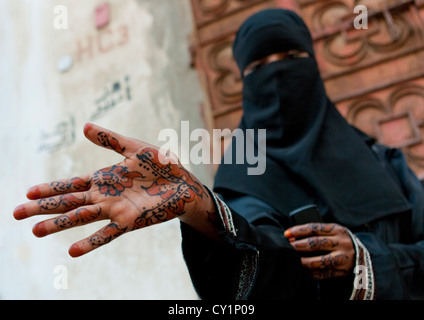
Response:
column 305, row 215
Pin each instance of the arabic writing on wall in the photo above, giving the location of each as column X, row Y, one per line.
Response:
column 63, row 133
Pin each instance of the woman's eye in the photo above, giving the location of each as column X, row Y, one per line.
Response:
column 253, row 68
column 297, row 54
column 257, row 67
column 293, row 55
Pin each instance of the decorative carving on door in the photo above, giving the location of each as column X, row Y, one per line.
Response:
column 225, row 77
column 386, row 33
column 395, row 117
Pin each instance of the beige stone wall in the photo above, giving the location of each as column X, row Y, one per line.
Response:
column 133, row 77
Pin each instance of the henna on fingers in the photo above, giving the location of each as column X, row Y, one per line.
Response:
column 98, row 239
column 330, row 245
column 327, row 266
column 76, row 184
column 111, row 143
column 62, row 203
column 80, row 217
column 106, row 235
column 77, row 217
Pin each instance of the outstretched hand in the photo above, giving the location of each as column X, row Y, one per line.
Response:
column 146, row 188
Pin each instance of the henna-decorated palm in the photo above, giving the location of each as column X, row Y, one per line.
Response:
column 146, row 188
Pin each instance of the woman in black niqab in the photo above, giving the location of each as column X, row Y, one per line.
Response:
column 312, row 154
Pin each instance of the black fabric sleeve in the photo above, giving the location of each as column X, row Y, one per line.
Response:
column 396, row 245
column 398, row 268
column 257, row 263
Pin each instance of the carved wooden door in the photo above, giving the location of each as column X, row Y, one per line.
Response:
column 373, row 75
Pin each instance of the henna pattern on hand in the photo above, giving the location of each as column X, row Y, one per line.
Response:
column 329, row 266
column 112, row 181
column 67, row 200
column 111, row 143
column 75, row 184
column 110, row 232
column 174, row 185
column 321, row 243
column 316, row 228
column 81, row 216
column 160, row 193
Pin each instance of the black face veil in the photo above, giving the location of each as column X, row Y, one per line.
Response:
column 312, row 154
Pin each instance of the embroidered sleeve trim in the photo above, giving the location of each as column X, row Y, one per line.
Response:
column 364, row 281
column 224, row 213
column 249, row 262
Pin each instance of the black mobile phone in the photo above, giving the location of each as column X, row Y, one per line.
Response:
column 306, row 214
column 303, row 215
